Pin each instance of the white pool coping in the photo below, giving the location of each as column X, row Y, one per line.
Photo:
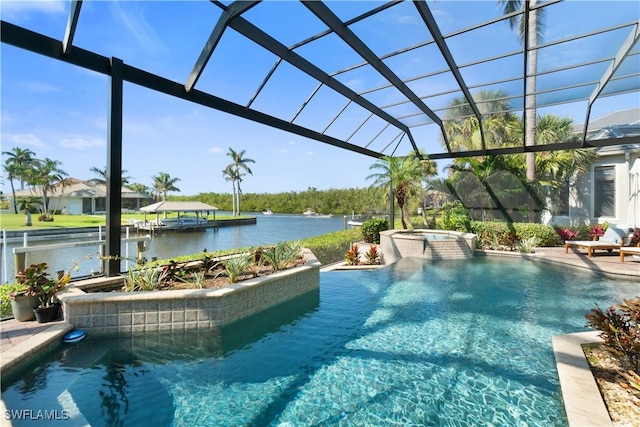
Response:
column 582, row 400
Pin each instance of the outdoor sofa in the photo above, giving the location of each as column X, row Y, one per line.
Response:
column 613, row 238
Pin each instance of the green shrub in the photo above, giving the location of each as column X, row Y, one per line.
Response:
column 455, row 217
column 371, row 229
column 498, row 235
column 619, row 327
column 5, row 300
column 330, row 248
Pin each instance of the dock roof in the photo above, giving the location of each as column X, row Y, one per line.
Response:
column 178, row 207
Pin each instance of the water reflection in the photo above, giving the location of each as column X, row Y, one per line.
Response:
column 268, row 229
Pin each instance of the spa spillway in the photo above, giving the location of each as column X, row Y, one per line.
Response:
column 427, row 244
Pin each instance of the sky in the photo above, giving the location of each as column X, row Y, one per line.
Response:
column 61, row 112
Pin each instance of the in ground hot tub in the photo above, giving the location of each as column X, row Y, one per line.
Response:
column 429, row 244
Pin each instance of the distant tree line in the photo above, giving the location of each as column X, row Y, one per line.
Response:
column 331, row 201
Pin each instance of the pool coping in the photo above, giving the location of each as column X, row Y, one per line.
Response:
column 26, row 349
column 584, row 405
column 583, row 402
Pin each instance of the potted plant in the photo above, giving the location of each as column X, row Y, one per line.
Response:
column 38, row 284
column 21, row 304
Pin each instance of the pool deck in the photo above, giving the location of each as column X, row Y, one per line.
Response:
column 19, row 339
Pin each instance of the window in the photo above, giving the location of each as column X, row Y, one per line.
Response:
column 604, row 191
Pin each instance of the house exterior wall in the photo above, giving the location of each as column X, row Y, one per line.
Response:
column 582, row 196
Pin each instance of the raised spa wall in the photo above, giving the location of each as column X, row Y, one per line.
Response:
column 396, row 244
column 109, row 312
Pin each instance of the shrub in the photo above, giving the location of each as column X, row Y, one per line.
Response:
column 501, row 235
column 6, row 292
column 371, row 229
column 330, row 248
column 455, row 217
column 619, row 327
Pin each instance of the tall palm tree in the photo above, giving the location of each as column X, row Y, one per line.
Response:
column 102, row 176
column 46, row 175
column 229, row 174
column 163, row 183
column 16, row 164
column 239, row 163
column 536, row 35
column 501, row 126
column 404, row 175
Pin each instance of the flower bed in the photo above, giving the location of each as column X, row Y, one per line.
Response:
column 107, row 312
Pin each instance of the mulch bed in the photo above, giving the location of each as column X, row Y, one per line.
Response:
column 623, row 404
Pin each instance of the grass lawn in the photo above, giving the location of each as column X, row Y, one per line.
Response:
column 10, row 221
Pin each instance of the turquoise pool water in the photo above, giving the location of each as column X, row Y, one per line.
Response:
column 451, row 343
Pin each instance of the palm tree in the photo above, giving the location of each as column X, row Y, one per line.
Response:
column 229, row 174
column 16, row 164
column 46, row 175
column 239, row 163
column 405, row 175
column 102, row 176
column 501, row 126
column 536, row 34
column 27, row 205
column 163, row 183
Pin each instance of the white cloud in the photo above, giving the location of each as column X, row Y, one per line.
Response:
column 216, row 150
column 38, row 87
column 134, row 20
column 28, row 139
column 22, row 10
column 81, row 143
column 283, row 151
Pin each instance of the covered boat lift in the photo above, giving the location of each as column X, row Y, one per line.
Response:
column 199, row 222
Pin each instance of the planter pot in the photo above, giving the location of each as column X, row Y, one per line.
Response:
column 22, row 308
column 47, row 314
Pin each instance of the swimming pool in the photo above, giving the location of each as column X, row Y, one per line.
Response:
column 416, row 343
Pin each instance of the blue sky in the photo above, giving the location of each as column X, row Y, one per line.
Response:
column 60, row 111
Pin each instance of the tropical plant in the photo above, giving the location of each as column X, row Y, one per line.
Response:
column 102, row 176
column 236, row 266
column 233, row 172
column 145, row 279
column 527, row 245
column 373, row 255
column 501, row 127
column 281, row 255
column 45, row 175
column 16, row 165
column 566, row 233
column 619, row 327
column 38, row 283
column 26, row 205
column 352, row 257
column 404, row 175
column 163, row 183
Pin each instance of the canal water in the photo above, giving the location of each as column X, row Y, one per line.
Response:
column 269, row 229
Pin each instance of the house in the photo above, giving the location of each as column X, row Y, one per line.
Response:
column 77, row 197
column 610, row 191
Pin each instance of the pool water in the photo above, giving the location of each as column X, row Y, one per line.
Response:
column 453, row 343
